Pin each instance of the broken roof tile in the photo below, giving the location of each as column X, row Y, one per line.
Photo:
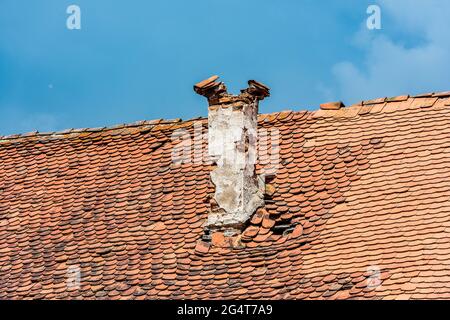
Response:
column 332, row 105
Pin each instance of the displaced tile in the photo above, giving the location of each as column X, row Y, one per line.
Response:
column 332, row 105
column 218, row 239
column 202, row 247
column 270, row 189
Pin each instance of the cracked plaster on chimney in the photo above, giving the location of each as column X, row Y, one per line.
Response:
column 232, row 138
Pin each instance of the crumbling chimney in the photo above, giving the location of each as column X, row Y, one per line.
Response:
column 232, row 138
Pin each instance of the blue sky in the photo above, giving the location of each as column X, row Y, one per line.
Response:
column 137, row 60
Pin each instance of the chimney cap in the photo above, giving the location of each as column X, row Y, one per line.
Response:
column 258, row 84
column 210, row 87
column 258, row 89
column 213, row 89
column 206, row 82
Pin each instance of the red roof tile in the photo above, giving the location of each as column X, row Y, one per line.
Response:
column 358, row 208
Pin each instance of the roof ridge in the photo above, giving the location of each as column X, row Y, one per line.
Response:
column 381, row 105
column 273, row 116
column 141, row 123
column 440, row 94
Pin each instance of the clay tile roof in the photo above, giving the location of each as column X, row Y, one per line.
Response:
column 358, row 208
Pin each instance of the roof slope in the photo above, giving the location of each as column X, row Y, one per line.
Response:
column 363, row 192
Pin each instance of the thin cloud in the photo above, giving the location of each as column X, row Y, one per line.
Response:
column 390, row 67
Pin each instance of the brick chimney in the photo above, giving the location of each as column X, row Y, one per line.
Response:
column 232, row 138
